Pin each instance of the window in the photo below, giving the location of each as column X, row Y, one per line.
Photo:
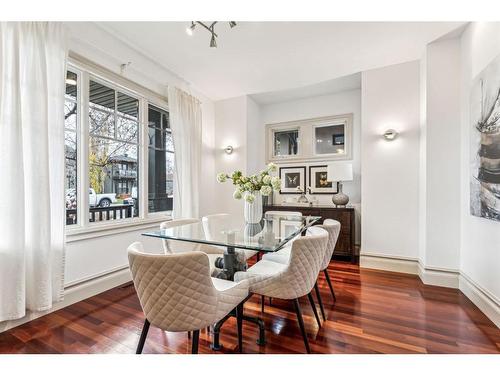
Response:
column 70, row 146
column 113, row 152
column 160, row 161
column 110, row 115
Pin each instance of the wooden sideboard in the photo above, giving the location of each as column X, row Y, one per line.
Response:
column 345, row 215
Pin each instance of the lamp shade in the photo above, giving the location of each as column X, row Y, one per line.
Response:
column 339, row 172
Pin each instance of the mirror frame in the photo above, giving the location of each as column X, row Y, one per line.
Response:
column 306, row 149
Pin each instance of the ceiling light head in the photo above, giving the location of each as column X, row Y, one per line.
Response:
column 232, row 24
column 190, row 29
column 390, row 134
column 229, row 150
column 213, row 42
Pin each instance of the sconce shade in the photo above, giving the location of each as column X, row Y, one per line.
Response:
column 339, row 172
column 390, row 134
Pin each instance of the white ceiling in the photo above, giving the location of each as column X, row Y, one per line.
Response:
column 258, row 57
column 332, row 86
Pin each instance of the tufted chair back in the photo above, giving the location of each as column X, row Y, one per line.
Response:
column 333, row 229
column 179, row 246
column 305, row 261
column 214, row 224
column 175, row 291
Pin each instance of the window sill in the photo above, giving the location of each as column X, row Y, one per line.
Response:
column 95, row 230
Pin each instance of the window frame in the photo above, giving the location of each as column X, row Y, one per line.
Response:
column 169, row 129
column 87, row 71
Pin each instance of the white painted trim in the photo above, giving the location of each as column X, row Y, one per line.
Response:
column 482, row 298
column 79, row 234
column 76, row 293
column 388, row 263
column 438, row 276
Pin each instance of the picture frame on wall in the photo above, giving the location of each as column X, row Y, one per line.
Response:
column 291, row 179
column 318, row 181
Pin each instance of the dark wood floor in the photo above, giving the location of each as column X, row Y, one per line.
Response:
column 375, row 312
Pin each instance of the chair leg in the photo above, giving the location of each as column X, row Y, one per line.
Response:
column 194, row 344
column 320, row 301
column 327, row 276
column 301, row 324
column 239, row 320
column 142, row 339
column 313, row 307
column 262, row 303
column 189, row 335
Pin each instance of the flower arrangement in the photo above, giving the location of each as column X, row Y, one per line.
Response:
column 248, row 186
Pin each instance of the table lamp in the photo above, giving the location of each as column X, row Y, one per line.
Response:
column 339, row 172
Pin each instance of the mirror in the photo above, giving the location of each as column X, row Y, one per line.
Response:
column 286, row 143
column 329, row 139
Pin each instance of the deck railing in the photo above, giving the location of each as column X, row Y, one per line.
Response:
column 121, row 211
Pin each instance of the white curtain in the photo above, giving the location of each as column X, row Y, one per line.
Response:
column 32, row 76
column 185, row 120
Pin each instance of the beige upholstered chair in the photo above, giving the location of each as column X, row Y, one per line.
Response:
column 177, row 293
column 219, row 222
column 294, row 279
column 333, row 229
column 172, row 246
column 282, row 255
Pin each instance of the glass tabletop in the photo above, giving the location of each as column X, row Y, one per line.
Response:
column 271, row 234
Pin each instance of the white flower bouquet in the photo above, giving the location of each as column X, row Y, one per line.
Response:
column 248, row 186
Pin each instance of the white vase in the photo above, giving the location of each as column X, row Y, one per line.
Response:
column 253, row 211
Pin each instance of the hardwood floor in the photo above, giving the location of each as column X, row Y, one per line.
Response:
column 375, row 312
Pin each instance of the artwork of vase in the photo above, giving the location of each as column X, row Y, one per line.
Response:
column 485, row 143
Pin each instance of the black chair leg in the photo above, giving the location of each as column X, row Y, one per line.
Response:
column 301, row 324
column 262, row 303
column 142, row 339
column 189, row 335
column 239, row 320
column 194, row 344
column 313, row 307
column 320, row 301
column 327, row 276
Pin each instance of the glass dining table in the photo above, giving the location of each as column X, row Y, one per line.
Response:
column 232, row 233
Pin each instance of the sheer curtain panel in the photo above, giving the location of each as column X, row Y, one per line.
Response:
column 185, row 113
column 32, row 74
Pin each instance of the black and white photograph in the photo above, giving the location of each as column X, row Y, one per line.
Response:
column 293, row 180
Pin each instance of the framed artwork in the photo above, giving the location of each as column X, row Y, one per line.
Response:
column 318, row 181
column 485, row 143
column 292, row 178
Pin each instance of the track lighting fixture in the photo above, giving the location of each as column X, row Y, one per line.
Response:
column 210, row 28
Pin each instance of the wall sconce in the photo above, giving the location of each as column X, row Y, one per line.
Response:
column 229, row 150
column 390, row 134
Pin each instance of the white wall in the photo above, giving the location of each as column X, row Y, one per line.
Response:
column 318, row 106
column 390, row 170
column 230, row 129
column 442, row 154
column 480, row 238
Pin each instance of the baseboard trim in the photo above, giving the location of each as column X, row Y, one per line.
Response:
column 76, row 293
column 438, row 277
column 486, row 302
column 387, row 263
